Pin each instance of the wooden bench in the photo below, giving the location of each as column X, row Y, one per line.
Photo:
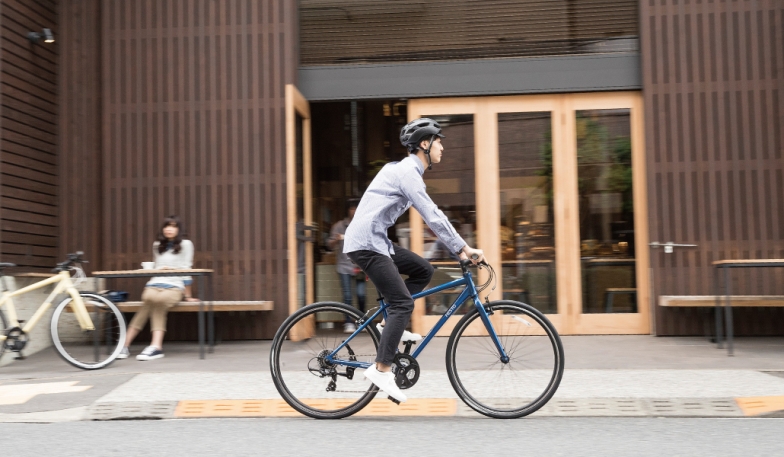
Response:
column 707, row 301
column 193, row 306
column 718, row 302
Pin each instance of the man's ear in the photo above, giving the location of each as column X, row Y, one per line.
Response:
column 424, row 144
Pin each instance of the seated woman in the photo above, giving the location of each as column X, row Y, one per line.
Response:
column 170, row 252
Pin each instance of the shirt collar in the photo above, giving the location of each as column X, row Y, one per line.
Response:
column 419, row 165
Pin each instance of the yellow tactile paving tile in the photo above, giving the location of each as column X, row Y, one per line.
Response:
column 279, row 408
column 754, row 406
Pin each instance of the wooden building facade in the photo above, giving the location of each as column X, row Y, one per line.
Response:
column 145, row 108
column 713, row 83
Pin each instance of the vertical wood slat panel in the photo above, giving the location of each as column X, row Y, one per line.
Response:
column 29, row 217
column 715, row 186
column 187, row 121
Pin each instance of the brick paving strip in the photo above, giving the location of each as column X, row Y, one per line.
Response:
column 627, row 393
column 772, row 406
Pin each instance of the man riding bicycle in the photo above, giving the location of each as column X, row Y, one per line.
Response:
column 397, row 187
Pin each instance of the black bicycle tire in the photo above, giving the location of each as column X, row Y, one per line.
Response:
column 552, row 386
column 62, row 352
column 280, row 384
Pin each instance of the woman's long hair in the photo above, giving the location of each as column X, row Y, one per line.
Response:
column 163, row 242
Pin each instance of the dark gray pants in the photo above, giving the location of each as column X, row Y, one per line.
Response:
column 385, row 273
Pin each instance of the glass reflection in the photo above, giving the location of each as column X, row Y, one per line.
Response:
column 304, row 232
column 451, row 186
column 604, row 159
column 527, row 221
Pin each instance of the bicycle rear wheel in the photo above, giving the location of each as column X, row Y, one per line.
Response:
column 519, row 386
column 305, row 379
column 88, row 349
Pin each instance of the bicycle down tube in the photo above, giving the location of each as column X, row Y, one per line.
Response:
column 468, row 292
column 63, row 284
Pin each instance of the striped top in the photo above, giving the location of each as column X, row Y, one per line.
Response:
column 396, row 188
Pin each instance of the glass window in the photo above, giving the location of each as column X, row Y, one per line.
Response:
column 527, row 223
column 604, row 159
column 451, row 186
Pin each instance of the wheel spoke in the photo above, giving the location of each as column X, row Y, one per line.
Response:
column 515, row 388
column 311, row 384
column 91, row 349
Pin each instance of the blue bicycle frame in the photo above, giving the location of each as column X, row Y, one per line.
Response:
column 469, row 291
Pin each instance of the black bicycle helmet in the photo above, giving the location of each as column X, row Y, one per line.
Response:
column 418, row 130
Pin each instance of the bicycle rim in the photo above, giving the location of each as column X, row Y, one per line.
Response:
column 302, row 376
column 88, row 349
column 505, row 390
column 4, row 329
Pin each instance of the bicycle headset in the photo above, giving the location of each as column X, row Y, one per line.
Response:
column 418, row 130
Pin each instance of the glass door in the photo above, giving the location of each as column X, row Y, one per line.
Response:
column 301, row 232
column 556, row 198
column 611, row 206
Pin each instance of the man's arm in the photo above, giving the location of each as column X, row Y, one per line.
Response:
column 414, row 189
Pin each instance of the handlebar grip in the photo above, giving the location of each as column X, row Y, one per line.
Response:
column 474, row 256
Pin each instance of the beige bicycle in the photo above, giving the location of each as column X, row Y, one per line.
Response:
column 88, row 331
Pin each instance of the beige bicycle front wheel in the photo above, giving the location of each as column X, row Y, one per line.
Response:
column 88, row 349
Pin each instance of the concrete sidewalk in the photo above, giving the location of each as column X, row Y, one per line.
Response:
column 605, row 376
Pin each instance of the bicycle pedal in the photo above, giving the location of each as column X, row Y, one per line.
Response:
column 393, row 400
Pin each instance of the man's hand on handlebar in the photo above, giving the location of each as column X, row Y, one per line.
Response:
column 476, row 256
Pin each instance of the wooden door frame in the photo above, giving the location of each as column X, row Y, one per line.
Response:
column 570, row 319
column 296, row 104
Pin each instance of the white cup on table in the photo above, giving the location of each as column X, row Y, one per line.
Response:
column 148, row 265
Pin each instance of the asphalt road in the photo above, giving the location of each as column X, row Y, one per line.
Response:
column 402, row 437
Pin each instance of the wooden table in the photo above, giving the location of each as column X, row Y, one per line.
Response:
column 200, row 274
column 726, row 265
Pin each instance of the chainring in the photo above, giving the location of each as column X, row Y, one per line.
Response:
column 406, row 370
column 16, row 339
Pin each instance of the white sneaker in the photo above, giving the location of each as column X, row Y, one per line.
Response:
column 385, row 382
column 407, row 336
column 124, row 353
column 150, row 353
column 349, row 327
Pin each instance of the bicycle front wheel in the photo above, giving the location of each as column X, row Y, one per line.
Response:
column 512, row 388
column 88, row 349
column 304, row 377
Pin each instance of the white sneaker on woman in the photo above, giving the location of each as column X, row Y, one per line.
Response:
column 407, row 336
column 150, row 353
column 385, row 381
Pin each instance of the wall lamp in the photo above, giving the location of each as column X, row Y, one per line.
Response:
column 46, row 34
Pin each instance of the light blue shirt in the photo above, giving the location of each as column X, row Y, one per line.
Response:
column 396, row 188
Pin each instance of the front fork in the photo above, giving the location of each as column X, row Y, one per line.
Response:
column 484, row 313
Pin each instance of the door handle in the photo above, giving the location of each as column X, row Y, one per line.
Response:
column 668, row 246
